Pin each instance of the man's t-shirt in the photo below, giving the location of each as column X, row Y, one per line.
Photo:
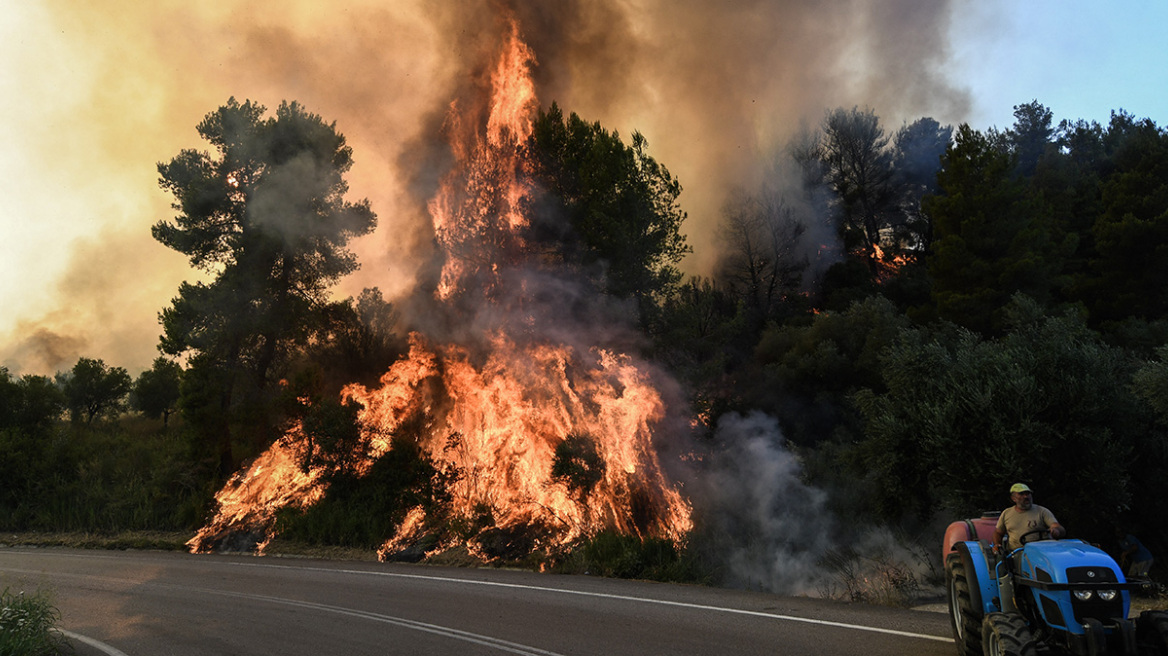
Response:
column 1016, row 524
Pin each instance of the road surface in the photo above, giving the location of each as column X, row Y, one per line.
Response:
column 147, row 603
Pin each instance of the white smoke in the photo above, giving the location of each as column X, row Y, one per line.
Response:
column 770, row 528
column 773, row 532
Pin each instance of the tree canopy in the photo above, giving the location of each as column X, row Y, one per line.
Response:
column 30, row 403
column 607, row 208
column 266, row 215
column 964, row 416
column 92, row 389
column 157, row 390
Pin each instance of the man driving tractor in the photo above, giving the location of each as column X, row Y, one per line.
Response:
column 1025, row 517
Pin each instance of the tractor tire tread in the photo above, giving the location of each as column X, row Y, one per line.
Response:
column 1011, row 632
column 967, row 637
column 1152, row 633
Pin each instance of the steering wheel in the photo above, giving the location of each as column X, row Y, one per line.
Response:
column 1038, row 531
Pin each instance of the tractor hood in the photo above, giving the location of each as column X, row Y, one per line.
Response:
column 1050, row 561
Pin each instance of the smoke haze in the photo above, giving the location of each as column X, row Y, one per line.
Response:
column 96, row 93
column 772, row 529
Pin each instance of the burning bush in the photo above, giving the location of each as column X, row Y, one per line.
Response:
column 530, row 434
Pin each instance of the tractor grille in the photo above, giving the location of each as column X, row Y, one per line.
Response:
column 1094, row 607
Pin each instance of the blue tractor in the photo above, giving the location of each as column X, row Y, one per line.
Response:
column 1060, row 596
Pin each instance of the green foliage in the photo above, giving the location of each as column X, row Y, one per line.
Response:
column 902, row 421
column 30, row 404
column 702, row 334
column 366, row 511
column 1150, row 383
column 578, row 464
column 106, row 478
column 356, row 341
column 1077, row 215
column 29, row 408
column 157, row 390
column 919, row 147
column 267, row 216
column 333, row 437
column 963, row 417
column 26, row 624
column 991, row 237
column 1131, row 234
column 810, row 370
column 1030, row 137
column 610, row 553
column 94, row 390
column 620, row 204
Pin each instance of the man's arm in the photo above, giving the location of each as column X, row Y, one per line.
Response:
column 999, row 533
column 1056, row 530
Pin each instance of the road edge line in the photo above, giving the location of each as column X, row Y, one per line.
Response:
column 96, row 644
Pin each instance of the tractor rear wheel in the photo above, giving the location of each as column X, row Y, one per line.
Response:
column 1152, row 633
column 1007, row 634
column 963, row 617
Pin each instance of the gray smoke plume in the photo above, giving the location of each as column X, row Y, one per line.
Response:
column 716, row 88
column 770, row 529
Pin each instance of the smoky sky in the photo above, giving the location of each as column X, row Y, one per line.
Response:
column 110, row 89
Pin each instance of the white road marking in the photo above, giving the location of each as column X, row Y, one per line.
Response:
column 599, row 595
column 605, row 595
column 446, row 632
column 112, row 651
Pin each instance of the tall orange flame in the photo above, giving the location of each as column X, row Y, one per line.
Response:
column 495, row 412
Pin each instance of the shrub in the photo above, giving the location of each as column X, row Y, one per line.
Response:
column 614, row 554
column 26, row 624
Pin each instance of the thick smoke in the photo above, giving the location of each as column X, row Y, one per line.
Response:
column 714, row 88
column 717, row 89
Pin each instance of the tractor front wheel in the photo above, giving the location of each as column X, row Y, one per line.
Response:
column 1007, row 634
column 965, row 620
column 1152, row 633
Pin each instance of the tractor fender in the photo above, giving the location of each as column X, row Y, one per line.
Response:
column 980, row 528
column 983, row 585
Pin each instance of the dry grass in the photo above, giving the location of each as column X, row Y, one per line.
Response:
column 279, row 547
column 146, row 540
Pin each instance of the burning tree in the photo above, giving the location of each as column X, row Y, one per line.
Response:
column 525, row 385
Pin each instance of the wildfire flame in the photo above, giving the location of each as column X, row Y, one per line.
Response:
column 887, row 267
column 494, row 412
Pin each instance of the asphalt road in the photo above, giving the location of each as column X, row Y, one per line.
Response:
column 139, row 603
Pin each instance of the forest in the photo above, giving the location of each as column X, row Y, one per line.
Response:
column 918, row 317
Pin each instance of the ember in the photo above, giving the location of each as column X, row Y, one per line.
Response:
column 495, row 409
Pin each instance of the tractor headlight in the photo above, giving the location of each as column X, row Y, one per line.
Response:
column 1083, row 595
column 1107, row 595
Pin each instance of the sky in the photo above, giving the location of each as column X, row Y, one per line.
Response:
column 94, row 94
